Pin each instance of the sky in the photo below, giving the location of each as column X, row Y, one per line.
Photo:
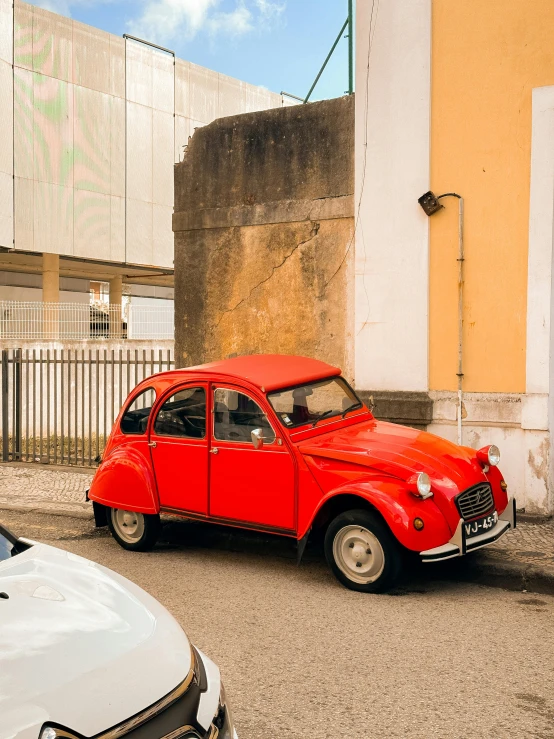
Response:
column 280, row 44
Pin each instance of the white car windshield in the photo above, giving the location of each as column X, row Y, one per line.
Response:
column 310, row 403
column 9, row 545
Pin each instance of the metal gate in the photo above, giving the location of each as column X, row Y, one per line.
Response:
column 58, row 406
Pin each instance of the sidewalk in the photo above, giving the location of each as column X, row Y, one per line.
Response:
column 523, row 559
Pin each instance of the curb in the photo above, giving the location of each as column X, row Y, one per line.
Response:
column 496, row 570
column 512, row 574
column 48, row 508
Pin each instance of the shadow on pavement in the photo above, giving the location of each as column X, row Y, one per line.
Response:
column 417, row 577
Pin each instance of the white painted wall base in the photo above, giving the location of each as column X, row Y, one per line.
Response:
column 517, row 424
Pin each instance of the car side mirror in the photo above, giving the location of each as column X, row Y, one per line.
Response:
column 257, row 436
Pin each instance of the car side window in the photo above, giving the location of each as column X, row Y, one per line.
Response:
column 183, row 414
column 135, row 418
column 236, row 415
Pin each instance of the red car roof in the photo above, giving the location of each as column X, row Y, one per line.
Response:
column 266, row 371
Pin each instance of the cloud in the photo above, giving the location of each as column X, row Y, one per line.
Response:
column 269, row 9
column 233, row 23
column 167, row 20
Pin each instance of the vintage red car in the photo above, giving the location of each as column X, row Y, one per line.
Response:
column 283, row 444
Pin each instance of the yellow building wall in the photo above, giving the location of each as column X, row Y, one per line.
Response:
column 487, row 55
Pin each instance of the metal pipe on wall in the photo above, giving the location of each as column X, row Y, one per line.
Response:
column 461, row 258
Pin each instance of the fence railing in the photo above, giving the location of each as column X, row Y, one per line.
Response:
column 58, row 407
column 67, row 321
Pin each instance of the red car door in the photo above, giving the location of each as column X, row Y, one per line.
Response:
column 179, row 445
column 256, row 486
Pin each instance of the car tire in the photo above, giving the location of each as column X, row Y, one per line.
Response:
column 362, row 552
column 137, row 532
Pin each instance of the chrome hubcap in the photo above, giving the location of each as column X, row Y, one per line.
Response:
column 129, row 525
column 358, row 554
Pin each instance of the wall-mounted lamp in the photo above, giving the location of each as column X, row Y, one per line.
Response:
column 430, row 204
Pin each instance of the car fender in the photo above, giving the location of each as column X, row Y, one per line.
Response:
column 398, row 507
column 125, row 480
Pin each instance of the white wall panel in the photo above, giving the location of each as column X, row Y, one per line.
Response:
column 24, row 214
column 163, row 82
column 117, row 229
column 6, row 31
column 204, row 93
column 91, row 57
column 163, row 236
column 24, row 140
column 6, row 117
column 6, row 155
column 182, row 92
column 91, row 229
column 6, row 210
column 23, row 35
column 139, row 73
column 53, row 218
column 53, row 130
column 92, row 169
column 232, row 96
column 117, row 66
column 52, row 45
column 139, row 152
column 117, row 146
column 139, row 232
column 183, row 131
column 162, row 159
column 258, row 98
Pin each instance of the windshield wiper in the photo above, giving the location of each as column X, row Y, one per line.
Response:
column 353, row 407
column 323, row 415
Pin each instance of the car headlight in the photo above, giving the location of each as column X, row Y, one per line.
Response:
column 420, row 486
column 53, row 732
column 489, row 455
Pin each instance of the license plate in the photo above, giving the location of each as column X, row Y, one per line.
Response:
column 481, row 525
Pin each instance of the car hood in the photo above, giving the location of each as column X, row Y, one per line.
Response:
column 399, row 451
column 80, row 646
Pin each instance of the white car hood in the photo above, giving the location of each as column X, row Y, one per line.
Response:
column 80, row 645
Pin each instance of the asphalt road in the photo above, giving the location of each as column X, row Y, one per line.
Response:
column 303, row 657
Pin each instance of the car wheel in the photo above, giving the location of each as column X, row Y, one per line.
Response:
column 362, row 552
column 135, row 531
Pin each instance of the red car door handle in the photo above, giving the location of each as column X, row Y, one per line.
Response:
column 215, row 450
column 152, row 444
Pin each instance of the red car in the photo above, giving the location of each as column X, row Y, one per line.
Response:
column 283, row 444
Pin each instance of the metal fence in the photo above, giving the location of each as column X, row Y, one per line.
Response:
column 58, row 407
column 66, row 321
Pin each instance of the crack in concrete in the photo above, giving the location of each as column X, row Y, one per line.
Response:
column 313, row 234
column 338, row 269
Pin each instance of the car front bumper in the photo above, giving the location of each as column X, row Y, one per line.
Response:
column 459, row 544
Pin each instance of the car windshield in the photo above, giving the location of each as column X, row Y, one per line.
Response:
column 314, row 401
column 9, row 545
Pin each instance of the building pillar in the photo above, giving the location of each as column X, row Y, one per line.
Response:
column 50, row 278
column 116, row 299
column 50, row 295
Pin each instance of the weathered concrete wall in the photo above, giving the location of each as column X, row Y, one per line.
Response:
column 263, row 224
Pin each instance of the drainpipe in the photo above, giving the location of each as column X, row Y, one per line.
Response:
column 460, row 373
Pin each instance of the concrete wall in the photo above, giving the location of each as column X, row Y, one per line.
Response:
column 263, row 234
column 99, row 122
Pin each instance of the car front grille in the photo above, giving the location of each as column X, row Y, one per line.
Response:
column 476, row 501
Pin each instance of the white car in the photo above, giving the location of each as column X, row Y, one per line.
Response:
column 86, row 653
